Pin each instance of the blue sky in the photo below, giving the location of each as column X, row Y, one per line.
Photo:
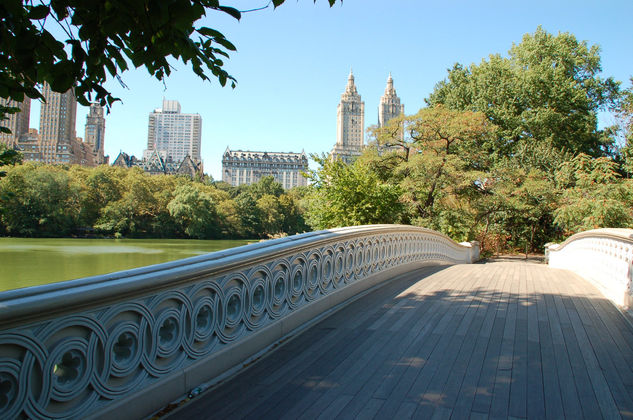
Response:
column 292, row 65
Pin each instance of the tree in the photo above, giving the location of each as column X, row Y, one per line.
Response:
column 547, row 89
column 625, row 113
column 194, row 209
column 38, row 201
column 594, row 196
column 82, row 44
column 8, row 157
column 440, row 155
column 347, row 195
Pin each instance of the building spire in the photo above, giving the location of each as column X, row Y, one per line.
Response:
column 350, row 88
column 389, row 90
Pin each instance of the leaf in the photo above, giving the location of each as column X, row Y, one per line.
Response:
column 39, row 12
column 231, row 11
column 210, row 32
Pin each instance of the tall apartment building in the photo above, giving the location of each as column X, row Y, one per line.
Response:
column 95, row 133
column 243, row 167
column 56, row 141
column 175, row 133
column 18, row 123
column 57, row 126
column 350, row 128
column 390, row 106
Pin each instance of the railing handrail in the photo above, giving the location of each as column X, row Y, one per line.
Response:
column 24, row 305
column 604, row 257
column 621, row 234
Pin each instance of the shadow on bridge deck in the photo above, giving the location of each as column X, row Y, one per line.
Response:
column 494, row 340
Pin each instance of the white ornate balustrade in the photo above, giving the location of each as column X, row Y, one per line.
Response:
column 128, row 343
column 602, row 256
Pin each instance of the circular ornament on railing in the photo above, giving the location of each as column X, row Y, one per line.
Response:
column 168, row 334
column 124, row 348
column 297, row 280
column 233, row 307
column 12, row 395
column 204, row 318
column 339, row 265
column 327, row 269
column 279, row 285
column 367, row 258
column 69, row 367
column 312, row 286
column 359, row 258
column 349, row 262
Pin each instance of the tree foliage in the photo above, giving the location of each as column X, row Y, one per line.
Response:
column 83, row 44
column 548, row 88
column 348, row 195
column 8, row 156
column 45, row 200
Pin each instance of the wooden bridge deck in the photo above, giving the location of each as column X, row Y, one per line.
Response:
column 496, row 340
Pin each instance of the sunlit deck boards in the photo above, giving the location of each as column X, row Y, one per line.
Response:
column 496, row 340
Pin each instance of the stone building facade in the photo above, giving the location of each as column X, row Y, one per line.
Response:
column 243, row 167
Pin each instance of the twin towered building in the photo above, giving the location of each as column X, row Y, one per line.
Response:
column 350, row 128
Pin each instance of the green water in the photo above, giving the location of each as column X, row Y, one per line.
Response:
column 30, row 262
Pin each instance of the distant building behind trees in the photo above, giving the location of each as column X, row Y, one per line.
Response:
column 244, row 167
column 176, row 134
column 159, row 163
column 173, row 143
column 56, row 141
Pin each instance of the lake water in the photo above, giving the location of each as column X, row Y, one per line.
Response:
column 30, row 262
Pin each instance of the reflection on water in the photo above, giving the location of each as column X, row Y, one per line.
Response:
column 29, row 262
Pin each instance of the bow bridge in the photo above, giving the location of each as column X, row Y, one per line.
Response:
column 372, row 321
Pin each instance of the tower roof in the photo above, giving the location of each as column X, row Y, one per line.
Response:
column 389, row 89
column 351, row 87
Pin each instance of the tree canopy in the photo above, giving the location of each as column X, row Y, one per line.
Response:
column 81, row 44
column 548, row 89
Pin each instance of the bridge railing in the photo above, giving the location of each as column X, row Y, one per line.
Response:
column 602, row 256
column 128, row 343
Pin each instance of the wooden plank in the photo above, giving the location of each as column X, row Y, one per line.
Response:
column 469, row 386
column 600, row 343
column 558, row 316
column 501, row 393
column 497, row 340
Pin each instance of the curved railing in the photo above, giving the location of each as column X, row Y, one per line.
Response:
column 602, row 256
column 136, row 340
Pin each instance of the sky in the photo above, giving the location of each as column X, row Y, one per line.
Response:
column 292, row 65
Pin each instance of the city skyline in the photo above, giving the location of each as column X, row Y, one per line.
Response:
column 289, row 79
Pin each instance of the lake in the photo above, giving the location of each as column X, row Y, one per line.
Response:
column 30, row 262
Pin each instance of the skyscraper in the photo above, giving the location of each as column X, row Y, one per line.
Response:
column 57, row 126
column 95, row 132
column 174, row 134
column 350, row 124
column 18, row 123
column 390, row 106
